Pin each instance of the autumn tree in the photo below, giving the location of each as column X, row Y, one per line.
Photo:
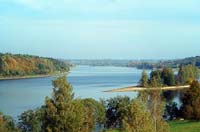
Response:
column 7, row 124
column 187, row 74
column 156, row 104
column 144, row 82
column 191, row 102
column 144, row 79
column 138, row 118
column 95, row 114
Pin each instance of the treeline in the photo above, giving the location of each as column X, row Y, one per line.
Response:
column 169, row 63
column 142, row 64
column 103, row 62
column 12, row 65
column 190, row 98
column 167, row 77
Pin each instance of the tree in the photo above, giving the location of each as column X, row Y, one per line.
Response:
column 155, row 79
column 171, row 110
column 62, row 113
column 7, row 124
column 191, row 102
column 31, row 120
column 144, row 79
column 95, row 114
column 138, row 118
column 115, row 110
column 21, row 65
column 156, row 104
column 144, row 82
column 186, row 73
column 168, row 77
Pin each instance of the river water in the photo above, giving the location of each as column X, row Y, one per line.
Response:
column 17, row 96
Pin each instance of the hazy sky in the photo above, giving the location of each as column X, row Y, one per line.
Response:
column 119, row 29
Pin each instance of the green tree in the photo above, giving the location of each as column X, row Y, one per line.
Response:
column 144, row 79
column 168, row 77
column 155, row 79
column 115, row 110
column 138, row 118
column 31, row 120
column 95, row 114
column 144, row 82
column 156, row 104
column 191, row 102
column 171, row 110
column 187, row 73
column 62, row 113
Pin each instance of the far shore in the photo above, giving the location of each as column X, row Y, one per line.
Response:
column 137, row 88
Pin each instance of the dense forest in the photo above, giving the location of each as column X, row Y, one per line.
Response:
column 16, row 65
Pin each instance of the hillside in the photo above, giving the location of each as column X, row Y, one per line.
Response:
column 17, row 65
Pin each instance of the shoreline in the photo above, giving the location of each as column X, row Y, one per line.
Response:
column 33, row 76
column 136, row 88
column 24, row 77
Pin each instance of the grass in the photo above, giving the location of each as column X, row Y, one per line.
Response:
column 184, row 126
column 179, row 126
column 112, row 131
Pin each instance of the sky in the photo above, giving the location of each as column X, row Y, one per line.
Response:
column 101, row 29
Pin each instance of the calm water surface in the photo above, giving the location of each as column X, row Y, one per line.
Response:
column 17, row 96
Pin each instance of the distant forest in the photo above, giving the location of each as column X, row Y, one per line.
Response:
column 142, row 64
column 169, row 63
column 13, row 65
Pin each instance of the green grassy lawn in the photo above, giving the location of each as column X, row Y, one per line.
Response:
column 184, row 126
column 179, row 126
column 112, row 131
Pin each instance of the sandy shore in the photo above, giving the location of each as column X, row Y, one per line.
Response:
column 136, row 88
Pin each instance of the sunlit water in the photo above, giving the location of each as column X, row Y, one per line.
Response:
column 17, row 96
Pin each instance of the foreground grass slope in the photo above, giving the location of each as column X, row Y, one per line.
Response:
column 184, row 126
column 178, row 126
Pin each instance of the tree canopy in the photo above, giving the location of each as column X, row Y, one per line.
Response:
column 24, row 65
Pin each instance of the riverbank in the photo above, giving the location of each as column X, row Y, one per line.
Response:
column 136, row 88
column 24, row 77
column 32, row 76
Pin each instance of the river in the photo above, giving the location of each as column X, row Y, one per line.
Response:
column 17, row 96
